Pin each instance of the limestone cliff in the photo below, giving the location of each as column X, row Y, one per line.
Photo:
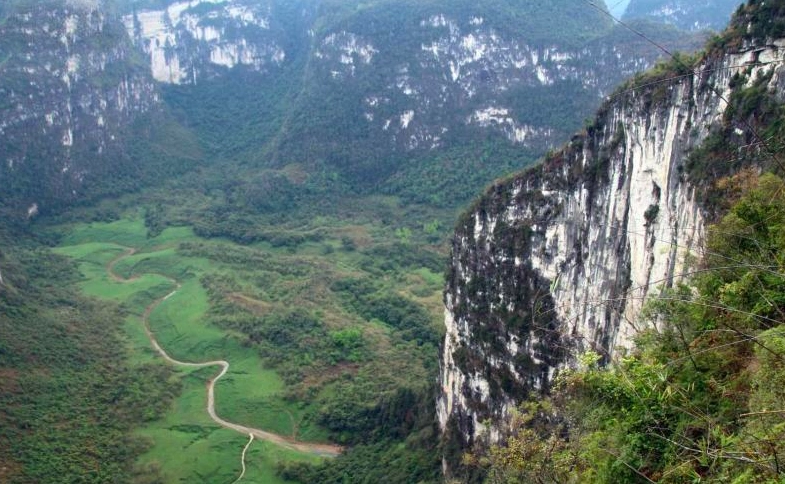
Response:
column 189, row 40
column 560, row 259
column 70, row 87
column 372, row 87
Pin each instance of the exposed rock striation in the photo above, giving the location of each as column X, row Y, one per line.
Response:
column 561, row 258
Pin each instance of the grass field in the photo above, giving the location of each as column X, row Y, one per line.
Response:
column 189, row 448
column 186, row 445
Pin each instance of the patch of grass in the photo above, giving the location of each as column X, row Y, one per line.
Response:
column 93, row 258
column 206, row 453
column 248, row 394
column 129, row 232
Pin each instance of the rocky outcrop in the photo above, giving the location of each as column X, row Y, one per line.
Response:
column 70, row 87
column 561, row 258
column 191, row 40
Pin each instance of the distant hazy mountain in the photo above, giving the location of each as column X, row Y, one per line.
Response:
column 685, row 14
column 420, row 98
column 369, row 90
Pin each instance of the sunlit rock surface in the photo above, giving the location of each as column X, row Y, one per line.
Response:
column 190, row 39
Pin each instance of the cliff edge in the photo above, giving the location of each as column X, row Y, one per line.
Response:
column 560, row 258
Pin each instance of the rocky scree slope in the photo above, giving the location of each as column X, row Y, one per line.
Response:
column 70, row 89
column 560, row 259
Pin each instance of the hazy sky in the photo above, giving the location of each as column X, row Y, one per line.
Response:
column 617, row 6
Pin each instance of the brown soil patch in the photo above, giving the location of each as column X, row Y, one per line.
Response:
column 359, row 235
column 9, row 381
column 329, row 374
column 295, row 173
column 259, row 308
column 9, row 469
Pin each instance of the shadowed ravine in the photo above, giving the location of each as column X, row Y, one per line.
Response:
column 325, row 450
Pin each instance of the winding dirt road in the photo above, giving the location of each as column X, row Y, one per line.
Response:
column 325, row 450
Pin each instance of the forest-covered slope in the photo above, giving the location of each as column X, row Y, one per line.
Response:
column 425, row 100
column 380, row 94
column 80, row 116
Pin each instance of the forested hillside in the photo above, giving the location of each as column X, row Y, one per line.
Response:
column 427, row 100
column 68, row 396
column 687, row 15
column 80, row 116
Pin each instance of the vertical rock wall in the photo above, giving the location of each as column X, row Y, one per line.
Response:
column 561, row 258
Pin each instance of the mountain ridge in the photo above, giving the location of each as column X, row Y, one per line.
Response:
column 370, row 103
column 691, row 15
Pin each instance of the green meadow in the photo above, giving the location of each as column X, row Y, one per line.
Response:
column 330, row 324
column 185, row 445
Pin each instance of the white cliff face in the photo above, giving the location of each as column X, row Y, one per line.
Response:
column 562, row 258
column 65, row 101
column 186, row 38
column 345, row 51
column 468, row 66
column 501, row 119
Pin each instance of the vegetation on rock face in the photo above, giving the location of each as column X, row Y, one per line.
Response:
column 545, row 23
column 341, row 310
column 700, row 398
column 695, row 400
column 687, row 404
column 750, row 135
column 757, row 20
column 80, row 115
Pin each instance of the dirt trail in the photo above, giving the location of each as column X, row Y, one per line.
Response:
column 242, row 459
column 110, row 266
column 325, row 450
